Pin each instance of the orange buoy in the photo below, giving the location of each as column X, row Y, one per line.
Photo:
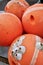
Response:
column 24, row 2
column 10, row 28
column 16, row 7
column 32, row 20
column 26, row 50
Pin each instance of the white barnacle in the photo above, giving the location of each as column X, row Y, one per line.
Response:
column 18, row 43
column 14, row 46
column 17, row 49
column 13, row 54
column 39, row 45
column 22, row 49
column 18, row 56
column 20, row 40
column 38, row 39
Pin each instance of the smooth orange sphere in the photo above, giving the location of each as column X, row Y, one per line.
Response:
column 32, row 20
column 26, row 50
column 16, row 7
column 10, row 28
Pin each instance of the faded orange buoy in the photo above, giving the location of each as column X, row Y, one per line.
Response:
column 32, row 20
column 26, row 50
column 16, row 7
column 24, row 2
column 10, row 28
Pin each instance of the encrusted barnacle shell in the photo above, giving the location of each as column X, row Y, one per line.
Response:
column 17, row 49
column 22, row 49
column 18, row 56
column 38, row 45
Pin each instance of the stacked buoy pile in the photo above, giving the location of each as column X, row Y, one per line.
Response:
column 21, row 28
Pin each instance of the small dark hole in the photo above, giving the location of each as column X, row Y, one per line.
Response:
column 20, row 48
column 32, row 17
column 18, row 40
column 12, row 51
column 41, row 44
column 16, row 50
column 16, row 54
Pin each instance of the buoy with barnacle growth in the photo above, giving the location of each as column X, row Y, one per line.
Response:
column 26, row 50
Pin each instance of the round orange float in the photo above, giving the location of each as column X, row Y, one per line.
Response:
column 24, row 2
column 26, row 50
column 32, row 20
column 16, row 7
column 10, row 28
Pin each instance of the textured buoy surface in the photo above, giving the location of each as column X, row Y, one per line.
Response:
column 32, row 20
column 16, row 7
column 10, row 28
column 26, row 50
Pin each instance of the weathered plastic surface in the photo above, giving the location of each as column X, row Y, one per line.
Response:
column 4, row 50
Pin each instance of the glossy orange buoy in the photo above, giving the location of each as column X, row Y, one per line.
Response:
column 26, row 50
column 32, row 20
column 16, row 7
column 10, row 28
